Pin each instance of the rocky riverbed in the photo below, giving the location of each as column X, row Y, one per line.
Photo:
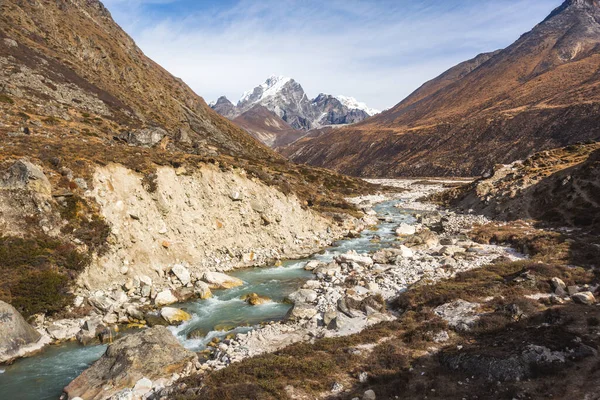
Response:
column 350, row 292
column 347, row 292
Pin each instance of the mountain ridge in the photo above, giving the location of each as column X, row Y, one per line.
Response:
column 540, row 92
column 286, row 98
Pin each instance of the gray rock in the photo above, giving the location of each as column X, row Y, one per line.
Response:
column 165, row 298
column 101, row 303
column 152, row 354
column 369, row 395
column 303, row 296
column 15, row 333
column 182, row 274
column 460, row 315
column 301, row 311
column 586, row 298
column 406, row 230
column 451, row 250
column 25, row 175
column 352, row 257
column 146, row 137
column 573, row 290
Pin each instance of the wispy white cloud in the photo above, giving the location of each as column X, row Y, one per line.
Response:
column 377, row 51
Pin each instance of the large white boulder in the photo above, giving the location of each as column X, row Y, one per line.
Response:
column 174, row 315
column 17, row 337
column 182, row 274
column 406, row 230
column 165, row 298
column 217, row 280
column 353, row 257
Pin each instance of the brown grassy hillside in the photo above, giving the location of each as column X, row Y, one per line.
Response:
column 541, row 92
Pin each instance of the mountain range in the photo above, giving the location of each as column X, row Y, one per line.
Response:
column 541, row 92
column 286, row 100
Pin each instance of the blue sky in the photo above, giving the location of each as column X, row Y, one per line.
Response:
column 377, row 51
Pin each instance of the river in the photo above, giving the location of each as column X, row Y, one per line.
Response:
column 42, row 377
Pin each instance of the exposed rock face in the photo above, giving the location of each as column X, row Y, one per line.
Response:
column 559, row 187
column 333, row 112
column 152, row 353
column 17, row 337
column 538, row 93
column 211, row 220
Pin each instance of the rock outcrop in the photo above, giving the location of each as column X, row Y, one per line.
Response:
column 151, row 354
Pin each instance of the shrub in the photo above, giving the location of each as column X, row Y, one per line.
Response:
column 41, row 292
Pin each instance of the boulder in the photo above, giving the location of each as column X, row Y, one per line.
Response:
column 101, row 303
column 165, row 298
column 217, row 280
column 405, row 252
column 312, row 265
column 135, row 313
column 303, row 296
column 460, row 315
column 89, row 331
column 17, row 337
column 182, row 274
column 174, row 316
column 202, row 290
column 25, row 175
column 328, row 269
column 146, row 137
column 425, row 239
column 584, row 298
column 301, row 311
column 255, row 300
column 369, row 395
column 405, row 230
column 64, row 329
column 451, row 250
column 352, row 257
column 152, row 354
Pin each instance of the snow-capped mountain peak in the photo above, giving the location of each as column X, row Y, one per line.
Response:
column 270, row 87
column 286, row 98
column 354, row 104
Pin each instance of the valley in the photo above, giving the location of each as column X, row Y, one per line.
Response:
column 156, row 247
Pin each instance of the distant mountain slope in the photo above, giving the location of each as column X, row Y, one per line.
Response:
column 541, row 92
column 67, row 63
column 286, row 98
column 267, row 127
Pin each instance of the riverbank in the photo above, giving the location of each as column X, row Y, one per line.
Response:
column 505, row 330
column 349, row 293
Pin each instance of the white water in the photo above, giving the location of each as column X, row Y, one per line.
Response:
column 43, row 376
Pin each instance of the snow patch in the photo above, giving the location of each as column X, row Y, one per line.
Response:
column 354, row 104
